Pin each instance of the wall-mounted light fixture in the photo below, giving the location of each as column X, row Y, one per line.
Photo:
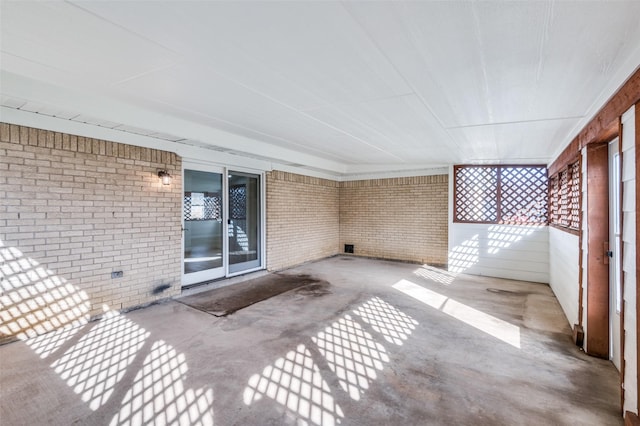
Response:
column 165, row 177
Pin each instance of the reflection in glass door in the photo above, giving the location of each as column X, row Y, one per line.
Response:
column 203, row 226
column 244, row 221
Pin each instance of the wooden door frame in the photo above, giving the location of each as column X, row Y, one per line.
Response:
column 597, row 338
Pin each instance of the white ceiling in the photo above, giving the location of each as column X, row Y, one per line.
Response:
column 340, row 87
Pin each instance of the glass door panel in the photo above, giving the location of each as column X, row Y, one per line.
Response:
column 615, row 281
column 203, row 226
column 244, row 221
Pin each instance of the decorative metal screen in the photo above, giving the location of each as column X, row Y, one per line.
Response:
column 202, row 206
column 238, row 202
column 476, row 194
column 501, row 194
column 564, row 197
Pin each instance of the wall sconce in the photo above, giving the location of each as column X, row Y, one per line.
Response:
column 165, row 177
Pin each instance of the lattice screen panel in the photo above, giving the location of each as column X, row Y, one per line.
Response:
column 563, row 202
column 564, row 197
column 554, row 191
column 574, row 196
column 238, row 202
column 523, row 195
column 202, row 206
column 187, row 207
column 213, row 207
column 476, row 190
column 501, row 194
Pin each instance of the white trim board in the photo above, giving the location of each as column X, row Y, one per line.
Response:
column 212, row 155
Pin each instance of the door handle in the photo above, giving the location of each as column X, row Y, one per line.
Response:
column 605, row 249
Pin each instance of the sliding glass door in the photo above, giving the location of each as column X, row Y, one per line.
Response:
column 221, row 222
column 244, row 221
column 203, row 226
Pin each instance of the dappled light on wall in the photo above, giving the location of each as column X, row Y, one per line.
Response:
column 487, row 242
column 465, row 255
column 394, row 325
column 93, row 366
column 495, row 327
column 294, row 381
column 35, row 301
column 46, row 312
column 503, row 236
column 158, row 395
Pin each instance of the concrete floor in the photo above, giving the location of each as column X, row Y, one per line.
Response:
column 376, row 343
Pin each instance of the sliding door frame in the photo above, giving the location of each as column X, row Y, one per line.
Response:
column 262, row 234
column 211, row 167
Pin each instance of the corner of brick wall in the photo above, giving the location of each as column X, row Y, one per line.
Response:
column 75, row 210
column 397, row 218
column 302, row 219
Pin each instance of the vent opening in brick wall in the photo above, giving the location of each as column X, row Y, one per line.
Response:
column 503, row 194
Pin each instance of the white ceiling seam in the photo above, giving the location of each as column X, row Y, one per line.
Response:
column 334, row 87
column 413, row 89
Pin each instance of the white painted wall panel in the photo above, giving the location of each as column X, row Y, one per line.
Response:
column 629, row 130
column 564, row 269
column 504, row 251
column 628, row 264
column 629, row 203
column 629, row 228
column 629, row 260
column 628, row 170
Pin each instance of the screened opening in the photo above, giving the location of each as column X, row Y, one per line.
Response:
column 501, row 194
column 564, row 197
